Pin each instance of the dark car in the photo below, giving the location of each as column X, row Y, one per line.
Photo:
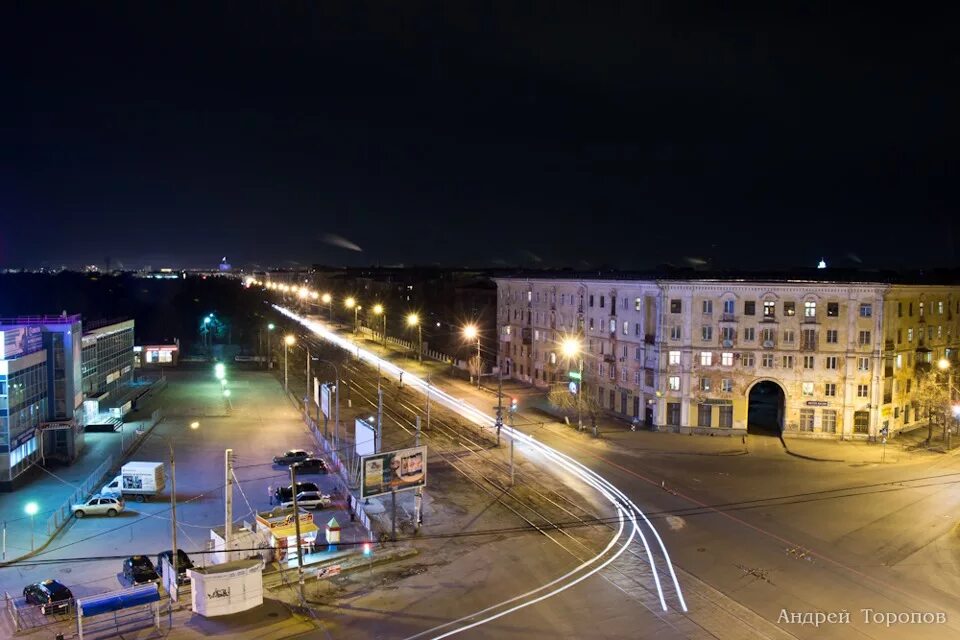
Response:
column 285, row 494
column 312, row 465
column 183, row 563
column 294, row 455
column 139, row 570
column 52, row 596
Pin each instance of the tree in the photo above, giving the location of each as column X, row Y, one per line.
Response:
column 561, row 398
column 932, row 396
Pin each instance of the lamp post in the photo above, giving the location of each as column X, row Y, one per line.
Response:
column 351, row 303
column 572, row 348
column 414, row 321
column 380, row 311
column 270, row 328
column 470, row 332
column 288, row 342
column 328, row 300
column 31, row 509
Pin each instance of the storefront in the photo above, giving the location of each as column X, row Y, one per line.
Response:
column 281, row 527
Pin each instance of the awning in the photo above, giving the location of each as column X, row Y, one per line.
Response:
column 286, row 532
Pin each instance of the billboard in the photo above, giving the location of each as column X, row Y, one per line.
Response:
column 365, row 437
column 325, row 399
column 20, row 341
column 393, row 471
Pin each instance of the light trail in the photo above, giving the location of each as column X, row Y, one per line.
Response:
column 616, row 497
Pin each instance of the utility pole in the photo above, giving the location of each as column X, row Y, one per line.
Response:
column 428, row 402
column 513, row 437
column 499, row 402
column 296, row 521
column 379, row 437
column 418, row 494
column 306, row 397
column 227, row 502
column 173, row 523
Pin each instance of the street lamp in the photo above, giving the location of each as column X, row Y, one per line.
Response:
column 571, row 348
column 350, row 303
column 31, row 509
column 220, row 371
column 379, row 311
column 470, row 332
column 288, row 342
column 328, row 300
column 414, row 321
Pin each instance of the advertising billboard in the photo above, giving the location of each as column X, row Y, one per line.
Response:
column 388, row 471
column 325, row 399
column 365, row 437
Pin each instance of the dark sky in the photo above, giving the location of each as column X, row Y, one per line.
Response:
column 172, row 133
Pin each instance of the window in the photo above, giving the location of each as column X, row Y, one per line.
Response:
column 601, row 302
column 750, row 308
column 673, row 357
column 830, row 389
column 636, row 377
column 749, row 334
column 707, row 307
column 866, row 310
column 789, row 336
column 728, row 307
column 861, row 421
column 591, row 299
column 747, row 359
column 675, row 333
column 830, row 362
column 591, row 324
column 704, row 415
column 808, row 362
column 766, row 360
column 921, row 309
column 728, row 334
column 673, row 414
column 910, row 309
column 899, row 309
column 832, row 336
column 636, row 328
column 806, row 388
column 613, row 325
column 674, row 383
column 637, row 304
column 705, row 384
column 864, row 337
column 638, row 353
column 940, row 307
column 726, row 359
column 806, row 419
column 769, row 309
column 676, row 306
column 788, row 362
column 808, row 339
column 810, row 309
column 910, row 334
column 828, row 421
column 706, row 358
column 863, row 364
column 648, row 377
column 863, row 391
column 706, row 333
column 768, row 336
column 899, row 361
column 623, row 375
column 790, row 308
column 726, row 416
column 626, row 328
column 529, row 296
column 726, row 385
column 833, row 309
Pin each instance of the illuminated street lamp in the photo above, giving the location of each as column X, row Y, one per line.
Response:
column 328, row 300
column 220, row 371
column 572, row 348
column 470, row 332
column 414, row 321
column 288, row 342
column 944, row 365
column 380, row 311
column 31, row 509
column 350, row 303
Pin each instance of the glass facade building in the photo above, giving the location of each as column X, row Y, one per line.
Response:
column 23, row 407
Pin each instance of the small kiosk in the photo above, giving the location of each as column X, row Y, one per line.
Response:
column 281, row 527
column 333, row 534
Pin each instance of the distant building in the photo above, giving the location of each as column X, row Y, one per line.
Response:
column 224, row 265
column 825, row 357
column 107, row 369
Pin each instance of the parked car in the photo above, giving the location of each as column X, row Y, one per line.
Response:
column 139, row 570
column 312, row 465
column 183, row 563
column 310, row 500
column 99, row 506
column 51, row 595
column 285, row 494
column 294, row 455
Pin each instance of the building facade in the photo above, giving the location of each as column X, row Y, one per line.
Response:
column 804, row 358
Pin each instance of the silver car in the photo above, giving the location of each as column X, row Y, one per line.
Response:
column 99, row 506
column 310, row 500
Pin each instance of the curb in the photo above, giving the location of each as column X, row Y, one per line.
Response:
column 806, row 457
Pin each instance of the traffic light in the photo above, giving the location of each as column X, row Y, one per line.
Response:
column 513, row 405
column 367, row 549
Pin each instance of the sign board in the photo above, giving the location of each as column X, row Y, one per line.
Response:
column 364, row 437
column 717, row 401
column 328, row 572
column 20, row 341
column 574, row 375
column 273, row 520
column 573, row 387
column 393, row 471
column 227, row 588
column 817, row 403
column 316, row 391
column 325, row 399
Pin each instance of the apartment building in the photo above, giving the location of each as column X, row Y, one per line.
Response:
column 806, row 358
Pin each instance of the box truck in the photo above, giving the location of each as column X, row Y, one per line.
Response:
column 137, row 480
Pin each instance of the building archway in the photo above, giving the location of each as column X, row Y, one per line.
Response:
column 766, row 407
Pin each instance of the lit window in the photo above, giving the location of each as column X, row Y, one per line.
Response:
column 704, row 384
column 674, row 383
column 636, row 304
column 726, row 359
column 674, row 357
column 810, row 309
column 769, row 308
column 806, row 388
column 626, row 328
column 863, row 364
column 706, row 358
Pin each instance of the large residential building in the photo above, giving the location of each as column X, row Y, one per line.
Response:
column 806, row 357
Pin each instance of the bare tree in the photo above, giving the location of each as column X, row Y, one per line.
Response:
column 561, row 398
column 932, row 396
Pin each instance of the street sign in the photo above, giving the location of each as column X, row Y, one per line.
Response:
column 328, row 572
column 573, row 387
column 574, row 375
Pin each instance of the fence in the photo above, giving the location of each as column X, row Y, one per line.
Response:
column 408, row 345
column 62, row 513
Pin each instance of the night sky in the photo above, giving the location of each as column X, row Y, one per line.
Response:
column 507, row 133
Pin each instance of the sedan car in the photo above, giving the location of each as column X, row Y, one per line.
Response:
column 139, row 570
column 183, row 563
column 310, row 500
column 52, row 596
column 312, row 465
column 285, row 494
column 99, row 506
column 294, row 455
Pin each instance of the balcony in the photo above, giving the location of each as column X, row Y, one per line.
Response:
column 768, row 344
column 728, row 317
column 609, row 357
column 809, row 320
column 808, row 346
column 888, row 345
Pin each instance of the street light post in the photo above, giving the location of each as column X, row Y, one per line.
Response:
column 31, row 509
column 380, row 311
column 571, row 348
column 296, row 521
column 328, row 300
column 288, row 341
column 270, row 328
column 351, row 303
column 414, row 320
column 470, row 332
column 944, row 365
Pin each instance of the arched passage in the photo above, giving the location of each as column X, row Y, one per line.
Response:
column 765, row 408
